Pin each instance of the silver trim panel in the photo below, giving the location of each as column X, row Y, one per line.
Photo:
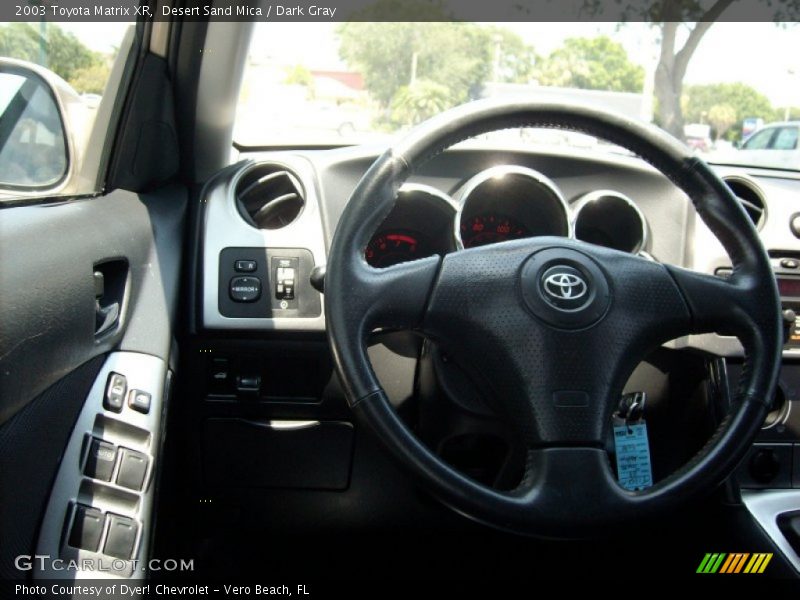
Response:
column 224, row 227
column 128, row 428
column 766, row 506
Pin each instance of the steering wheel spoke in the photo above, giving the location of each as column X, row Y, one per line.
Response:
column 724, row 306
column 394, row 297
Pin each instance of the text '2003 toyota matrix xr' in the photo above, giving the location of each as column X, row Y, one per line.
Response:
column 285, row 301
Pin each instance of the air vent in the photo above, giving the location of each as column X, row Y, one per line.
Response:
column 269, row 197
column 751, row 197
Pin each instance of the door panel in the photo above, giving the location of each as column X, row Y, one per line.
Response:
column 47, row 293
column 31, row 444
column 50, row 354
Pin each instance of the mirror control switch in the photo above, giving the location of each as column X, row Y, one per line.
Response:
column 245, row 266
column 245, row 289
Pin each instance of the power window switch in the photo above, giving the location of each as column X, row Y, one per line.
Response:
column 116, row 387
column 139, row 401
column 132, row 469
column 87, row 528
column 121, row 537
column 100, row 460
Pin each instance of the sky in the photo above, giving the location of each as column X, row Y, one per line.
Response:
column 763, row 55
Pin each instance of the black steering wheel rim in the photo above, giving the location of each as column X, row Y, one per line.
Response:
column 568, row 486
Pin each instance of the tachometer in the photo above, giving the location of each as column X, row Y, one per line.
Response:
column 389, row 248
column 488, row 228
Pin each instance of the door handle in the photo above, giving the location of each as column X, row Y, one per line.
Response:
column 105, row 317
column 110, row 279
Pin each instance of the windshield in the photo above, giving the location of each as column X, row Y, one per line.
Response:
column 330, row 84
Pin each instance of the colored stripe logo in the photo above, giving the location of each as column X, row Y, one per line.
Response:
column 736, row 562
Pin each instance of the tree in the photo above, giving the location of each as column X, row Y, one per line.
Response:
column 721, row 117
column 91, row 80
column 593, row 64
column 513, row 61
column 786, row 113
column 459, row 56
column 697, row 16
column 64, row 53
column 746, row 101
column 299, row 75
column 673, row 61
column 418, row 101
column 392, row 55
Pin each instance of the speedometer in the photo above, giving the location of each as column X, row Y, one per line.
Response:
column 489, row 228
column 394, row 247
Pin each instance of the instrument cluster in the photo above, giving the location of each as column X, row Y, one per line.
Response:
column 499, row 204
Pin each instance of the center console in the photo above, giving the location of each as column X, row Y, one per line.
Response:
column 769, row 475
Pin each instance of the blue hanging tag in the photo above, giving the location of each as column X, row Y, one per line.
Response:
column 633, row 456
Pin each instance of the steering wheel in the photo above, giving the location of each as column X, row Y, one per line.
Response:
column 553, row 327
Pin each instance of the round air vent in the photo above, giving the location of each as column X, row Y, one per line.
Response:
column 269, row 197
column 751, row 197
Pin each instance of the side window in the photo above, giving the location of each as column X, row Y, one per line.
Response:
column 785, row 139
column 759, row 140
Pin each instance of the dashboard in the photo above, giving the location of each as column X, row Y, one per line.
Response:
column 263, row 235
column 278, row 211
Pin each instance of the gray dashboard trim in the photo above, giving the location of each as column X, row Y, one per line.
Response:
column 224, row 227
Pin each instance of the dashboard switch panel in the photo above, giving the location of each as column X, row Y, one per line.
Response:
column 282, row 273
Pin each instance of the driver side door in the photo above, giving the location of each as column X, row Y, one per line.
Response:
column 90, row 247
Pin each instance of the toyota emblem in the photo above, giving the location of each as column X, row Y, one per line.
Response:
column 564, row 285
